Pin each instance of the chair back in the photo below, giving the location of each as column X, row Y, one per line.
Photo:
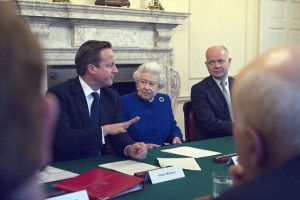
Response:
column 189, row 122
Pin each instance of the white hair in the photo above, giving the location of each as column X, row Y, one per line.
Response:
column 153, row 68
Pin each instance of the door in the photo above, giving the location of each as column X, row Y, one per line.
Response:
column 279, row 23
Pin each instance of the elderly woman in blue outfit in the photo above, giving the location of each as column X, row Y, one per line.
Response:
column 157, row 124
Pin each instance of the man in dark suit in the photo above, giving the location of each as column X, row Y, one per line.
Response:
column 76, row 137
column 210, row 99
column 266, row 112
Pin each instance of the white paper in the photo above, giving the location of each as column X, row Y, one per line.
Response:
column 81, row 195
column 191, row 152
column 129, row 166
column 165, row 174
column 184, row 163
column 50, row 174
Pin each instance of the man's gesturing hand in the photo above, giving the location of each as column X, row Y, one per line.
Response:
column 114, row 129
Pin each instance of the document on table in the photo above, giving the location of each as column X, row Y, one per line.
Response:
column 81, row 195
column 50, row 174
column 184, row 163
column 191, row 152
column 129, row 166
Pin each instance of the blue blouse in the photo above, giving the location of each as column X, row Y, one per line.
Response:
column 156, row 125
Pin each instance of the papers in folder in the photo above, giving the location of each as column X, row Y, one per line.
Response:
column 191, row 152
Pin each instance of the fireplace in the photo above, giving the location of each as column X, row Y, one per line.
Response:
column 123, row 80
column 137, row 35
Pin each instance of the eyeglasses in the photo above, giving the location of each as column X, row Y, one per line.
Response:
column 149, row 83
column 213, row 63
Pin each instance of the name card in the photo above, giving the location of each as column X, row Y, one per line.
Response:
column 233, row 160
column 165, row 174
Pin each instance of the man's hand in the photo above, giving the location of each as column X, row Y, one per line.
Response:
column 114, row 129
column 137, row 150
column 176, row 140
column 238, row 174
column 151, row 145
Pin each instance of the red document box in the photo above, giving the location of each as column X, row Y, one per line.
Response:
column 102, row 184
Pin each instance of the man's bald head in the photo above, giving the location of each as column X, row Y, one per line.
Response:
column 266, row 98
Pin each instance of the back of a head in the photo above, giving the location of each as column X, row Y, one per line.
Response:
column 21, row 69
column 266, row 96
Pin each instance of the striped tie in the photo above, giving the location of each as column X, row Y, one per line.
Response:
column 227, row 97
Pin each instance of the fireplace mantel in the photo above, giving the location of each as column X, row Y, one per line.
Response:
column 137, row 35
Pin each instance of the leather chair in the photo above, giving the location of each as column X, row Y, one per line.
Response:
column 189, row 122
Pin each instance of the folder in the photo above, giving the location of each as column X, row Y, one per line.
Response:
column 102, row 184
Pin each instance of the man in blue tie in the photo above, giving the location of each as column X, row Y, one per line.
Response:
column 90, row 111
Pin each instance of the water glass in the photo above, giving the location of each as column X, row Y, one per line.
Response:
column 221, row 182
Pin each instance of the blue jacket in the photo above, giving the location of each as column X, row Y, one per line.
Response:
column 156, row 125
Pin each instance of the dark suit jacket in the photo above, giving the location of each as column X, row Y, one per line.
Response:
column 74, row 139
column 280, row 183
column 211, row 110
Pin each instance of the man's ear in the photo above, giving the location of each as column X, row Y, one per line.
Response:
column 229, row 60
column 206, row 64
column 257, row 151
column 91, row 68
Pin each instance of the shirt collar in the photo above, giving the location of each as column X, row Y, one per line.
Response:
column 219, row 82
column 86, row 88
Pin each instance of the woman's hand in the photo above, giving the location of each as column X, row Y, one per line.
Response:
column 176, row 140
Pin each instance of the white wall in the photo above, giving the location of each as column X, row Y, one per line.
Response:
column 233, row 23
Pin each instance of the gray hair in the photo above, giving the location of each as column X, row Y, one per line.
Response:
column 262, row 99
column 153, row 68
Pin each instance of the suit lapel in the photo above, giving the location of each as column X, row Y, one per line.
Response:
column 215, row 90
column 80, row 101
column 105, row 108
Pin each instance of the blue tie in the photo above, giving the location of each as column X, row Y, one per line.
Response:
column 95, row 111
column 95, row 118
